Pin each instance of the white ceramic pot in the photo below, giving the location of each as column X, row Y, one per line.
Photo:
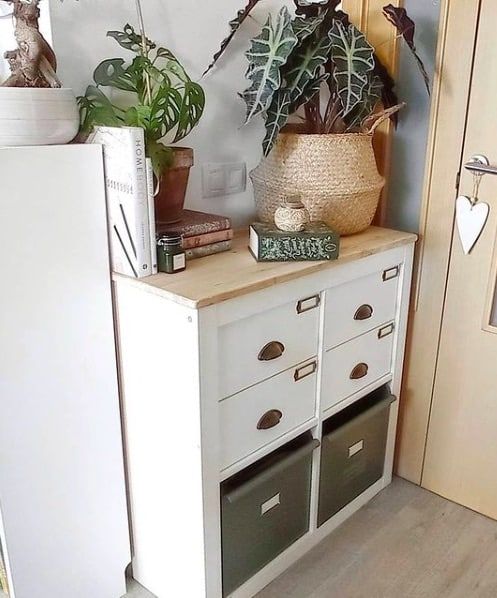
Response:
column 32, row 116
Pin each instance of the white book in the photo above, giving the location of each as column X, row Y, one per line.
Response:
column 151, row 215
column 127, row 198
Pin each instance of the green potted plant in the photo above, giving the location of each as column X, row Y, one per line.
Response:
column 319, row 71
column 160, row 97
column 34, row 107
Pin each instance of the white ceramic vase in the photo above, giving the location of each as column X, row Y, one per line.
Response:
column 32, row 116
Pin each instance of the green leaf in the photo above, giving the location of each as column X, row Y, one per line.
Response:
column 110, row 73
column 191, row 111
column 303, row 27
column 173, row 65
column 371, row 95
column 166, row 54
column 308, row 93
column 138, row 116
column 135, row 75
column 276, row 119
column 175, row 68
column 160, row 154
column 130, row 40
column 311, row 8
column 268, row 53
column 353, row 58
column 305, row 66
column 166, row 109
column 96, row 109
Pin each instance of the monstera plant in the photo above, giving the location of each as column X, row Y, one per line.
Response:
column 163, row 100
column 318, row 68
column 154, row 92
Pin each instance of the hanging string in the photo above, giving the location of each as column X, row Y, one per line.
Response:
column 477, row 177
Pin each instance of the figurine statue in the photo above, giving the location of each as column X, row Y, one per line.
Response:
column 33, row 63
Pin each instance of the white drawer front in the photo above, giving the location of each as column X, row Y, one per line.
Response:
column 359, row 306
column 258, row 347
column 354, row 365
column 251, row 419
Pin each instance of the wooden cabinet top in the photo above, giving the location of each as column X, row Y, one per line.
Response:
column 217, row 278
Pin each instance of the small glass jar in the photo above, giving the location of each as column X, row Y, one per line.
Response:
column 292, row 215
column 171, row 257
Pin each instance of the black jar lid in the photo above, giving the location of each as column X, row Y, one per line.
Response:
column 169, row 238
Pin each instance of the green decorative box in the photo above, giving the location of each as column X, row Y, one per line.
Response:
column 316, row 243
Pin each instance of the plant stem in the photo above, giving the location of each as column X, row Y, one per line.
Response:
column 146, row 74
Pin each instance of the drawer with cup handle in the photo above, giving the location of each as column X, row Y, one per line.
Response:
column 260, row 415
column 361, row 305
column 352, row 366
column 260, row 346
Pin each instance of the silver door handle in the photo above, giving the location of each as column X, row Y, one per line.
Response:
column 480, row 164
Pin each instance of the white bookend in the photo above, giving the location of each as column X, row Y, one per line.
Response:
column 151, row 215
column 127, row 198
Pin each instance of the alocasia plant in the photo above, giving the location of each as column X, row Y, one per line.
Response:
column 315, row 59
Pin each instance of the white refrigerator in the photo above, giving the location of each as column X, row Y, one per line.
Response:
column 63, row 525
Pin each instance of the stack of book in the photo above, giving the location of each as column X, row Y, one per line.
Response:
column 203, row 234
column 130, row 200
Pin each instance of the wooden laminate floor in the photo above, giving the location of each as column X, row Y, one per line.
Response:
column 407, row 543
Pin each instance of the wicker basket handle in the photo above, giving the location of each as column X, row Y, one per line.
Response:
column 371, row 123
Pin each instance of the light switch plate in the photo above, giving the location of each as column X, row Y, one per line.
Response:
column 224, row 179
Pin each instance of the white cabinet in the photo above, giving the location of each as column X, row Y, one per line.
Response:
column 62, row 487
column 231, row 360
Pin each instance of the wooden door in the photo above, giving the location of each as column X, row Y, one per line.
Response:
column 461, row 450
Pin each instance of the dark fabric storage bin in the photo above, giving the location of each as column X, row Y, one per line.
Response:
column 353, row 452
column 265, row 509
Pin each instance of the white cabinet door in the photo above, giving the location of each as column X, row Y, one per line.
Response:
column 62, row 490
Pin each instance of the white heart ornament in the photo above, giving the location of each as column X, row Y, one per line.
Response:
column 471, row 219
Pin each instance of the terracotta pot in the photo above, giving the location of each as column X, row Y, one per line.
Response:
column 170, row 201
column 335, row 175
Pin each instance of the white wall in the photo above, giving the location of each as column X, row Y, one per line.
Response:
column 193, row 29
column 410, row 140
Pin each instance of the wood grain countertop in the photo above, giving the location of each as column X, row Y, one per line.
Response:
column 216, row 278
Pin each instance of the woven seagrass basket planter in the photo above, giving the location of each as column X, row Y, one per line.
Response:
column 336, row 176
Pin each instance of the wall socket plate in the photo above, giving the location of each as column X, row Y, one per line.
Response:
column 224, row 179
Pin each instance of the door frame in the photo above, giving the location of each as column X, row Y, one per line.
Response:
column 368, row 16
column 451, row 90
